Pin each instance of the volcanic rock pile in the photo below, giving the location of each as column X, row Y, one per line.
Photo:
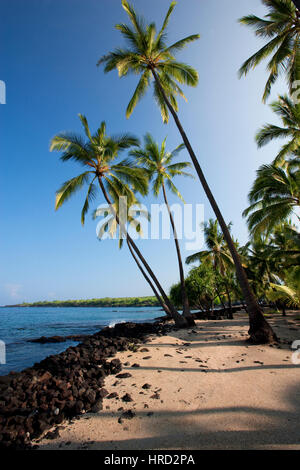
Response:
column 64, row 385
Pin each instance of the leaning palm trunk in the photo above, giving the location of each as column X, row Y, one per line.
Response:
column 260, row 331
column 185, row 300
column 163, row 305
column 179, row 319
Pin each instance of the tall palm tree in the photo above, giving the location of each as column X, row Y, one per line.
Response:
column 289, row 113
column 161, row 169
column 217, row 253
column 149, row 56
column 97, row 156
column 273, row 198
column 281, row 27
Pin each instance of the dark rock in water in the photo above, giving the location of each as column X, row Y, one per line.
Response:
column 147, row 357
column 57, row 339
column 127, row 398
column 44, row 340
column 124, row 375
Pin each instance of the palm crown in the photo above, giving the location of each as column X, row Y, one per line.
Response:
column 147, row 53
column 97, row 154
column 109, row 225
column 289, row 113
column 273, row 197
column 281, row 27
column 217, row 251
column 158, row 164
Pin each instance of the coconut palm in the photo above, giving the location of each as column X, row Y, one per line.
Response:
column 289, row 113
column 149, row 56
column 261, row 260
column 286, row 245
column 217, row 251
column 273, row 198
column 281, row 28
column 97, row 155
column 110, row 226
column 217, row 254
column 159, row 165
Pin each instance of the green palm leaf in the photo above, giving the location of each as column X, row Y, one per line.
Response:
column 281, row 27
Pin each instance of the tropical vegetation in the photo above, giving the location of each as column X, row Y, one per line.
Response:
column 265, row 269
column 148, row 55
column 280, row 27
column 98, row 155
column 104, row 302
column 159, row 164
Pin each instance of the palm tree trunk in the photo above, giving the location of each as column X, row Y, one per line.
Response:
column 164, row 306
column 230, row 315
column 260, row 331
column 179, row 319
column 221, row 300
column 185, row 300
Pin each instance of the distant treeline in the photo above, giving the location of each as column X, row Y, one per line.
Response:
column 105, row 302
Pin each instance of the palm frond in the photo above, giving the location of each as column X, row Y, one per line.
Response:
column 91, row 195
column 70, row 187
column 139, row 92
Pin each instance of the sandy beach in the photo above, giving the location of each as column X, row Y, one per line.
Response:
column 201, row 388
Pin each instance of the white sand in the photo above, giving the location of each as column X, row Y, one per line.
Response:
column 212, row 394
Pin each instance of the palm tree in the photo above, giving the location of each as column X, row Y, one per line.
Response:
column 109, row 225
column 149, row 56
column 261, row 260
column 289, row 113
column 97, row 156
column 217, row 254
column 273, row 198
column 286, row 244
column 159, row 165
column 281, row 27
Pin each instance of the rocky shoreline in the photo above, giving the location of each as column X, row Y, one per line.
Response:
column 65, row 385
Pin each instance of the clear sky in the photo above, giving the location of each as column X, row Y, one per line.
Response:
column 49, row 50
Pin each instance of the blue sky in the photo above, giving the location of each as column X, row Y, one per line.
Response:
column 49, row 50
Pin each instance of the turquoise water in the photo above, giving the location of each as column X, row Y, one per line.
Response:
column 18, row 324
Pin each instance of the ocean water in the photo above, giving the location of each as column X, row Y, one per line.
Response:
column 18, row 324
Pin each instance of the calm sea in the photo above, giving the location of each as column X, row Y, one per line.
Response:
column 18, row 324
